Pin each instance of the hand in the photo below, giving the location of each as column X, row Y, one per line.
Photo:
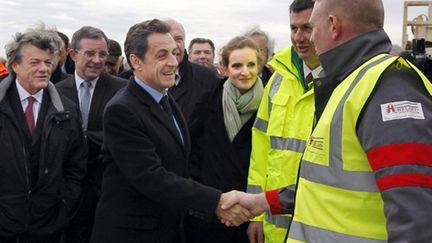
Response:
column 255, row 232
column 235, row 214
column 255, row 203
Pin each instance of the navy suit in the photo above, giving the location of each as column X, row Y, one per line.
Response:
column 145, row 189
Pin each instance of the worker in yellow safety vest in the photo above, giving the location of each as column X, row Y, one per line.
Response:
column 283, row 124
column 366, row 173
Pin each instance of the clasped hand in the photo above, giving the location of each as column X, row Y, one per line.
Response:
column 237, row 207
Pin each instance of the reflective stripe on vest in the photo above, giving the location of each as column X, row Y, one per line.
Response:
column 281, row 221
column 254, row 189
column 298, row 231
column 261, row 124
column 277, row 80
column 292, row 144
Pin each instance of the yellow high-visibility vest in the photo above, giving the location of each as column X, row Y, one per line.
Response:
column 283, row 124
column 337, row 197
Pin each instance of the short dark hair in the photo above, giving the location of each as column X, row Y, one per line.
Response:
column 87, row 32
column 300, row 5
column 137, row 37
column 201, row 41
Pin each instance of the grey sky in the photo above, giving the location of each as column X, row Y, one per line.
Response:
column 218, row 20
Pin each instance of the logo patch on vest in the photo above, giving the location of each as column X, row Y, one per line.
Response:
column 401, row 110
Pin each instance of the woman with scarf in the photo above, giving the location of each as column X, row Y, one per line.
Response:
column 221, row 136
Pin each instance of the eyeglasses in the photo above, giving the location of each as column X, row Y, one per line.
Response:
column 91, row 54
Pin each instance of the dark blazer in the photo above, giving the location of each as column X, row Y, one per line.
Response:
column 107, row 85
column 218, row 163
column 79, row 229
column 40, row 209
column 145, row 189
column 195, row 81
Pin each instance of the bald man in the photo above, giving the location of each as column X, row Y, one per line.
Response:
column 366, row 173
column 192, row 81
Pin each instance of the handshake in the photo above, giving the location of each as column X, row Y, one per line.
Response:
column 237, row 207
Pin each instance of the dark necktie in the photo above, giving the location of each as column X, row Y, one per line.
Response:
column 29, row 114
column 309, row 78
column 85, row 102
column 164, row 102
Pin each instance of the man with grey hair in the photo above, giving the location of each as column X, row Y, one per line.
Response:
column 42, row 151
column 192, row 81
column 266, row 45
column 91, row 89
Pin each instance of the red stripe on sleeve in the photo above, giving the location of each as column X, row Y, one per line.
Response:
column 274, row 202
column 399, row 154
column 402, row 180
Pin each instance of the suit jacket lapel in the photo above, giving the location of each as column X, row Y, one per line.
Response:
column 155, row 109
column 97, row 102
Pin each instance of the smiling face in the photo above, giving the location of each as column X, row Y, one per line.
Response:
column 301, row 31
column 33, row 70
column 202, row 54
column 158, row 67
column 242, row 68
column 88, row 66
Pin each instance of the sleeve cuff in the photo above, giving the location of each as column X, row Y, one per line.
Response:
column 274, row 202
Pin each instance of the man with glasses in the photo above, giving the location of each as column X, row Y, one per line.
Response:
column 91, row 89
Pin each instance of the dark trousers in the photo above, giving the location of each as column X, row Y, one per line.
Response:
column 80, row 227
column 25, row 238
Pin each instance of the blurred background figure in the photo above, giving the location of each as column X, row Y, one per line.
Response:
column 396, row 50
column 3, row 69
column 221, row 135
column 202, row 52
column 266, row 46
column 58, row 73
column 192, row 80
column 114, row 61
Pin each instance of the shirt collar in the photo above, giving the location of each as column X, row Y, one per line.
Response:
column 315, row 72
column 79, row 81
column 23, row 94
column 156, row 94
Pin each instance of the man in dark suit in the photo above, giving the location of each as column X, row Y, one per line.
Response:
column 145, row 188
column 89, row 52
column 42, row 146
column 192, row 80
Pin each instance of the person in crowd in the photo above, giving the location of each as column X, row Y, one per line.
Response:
column 91, row 89
column 202, row 52
column 365, row 172
column 114, row 61
column 58, row 74
column 266, row 45
column 192, row 80
column 3, row 71
column 145, row 190
column 223, row 136
column 42, row 146
column 284, row 122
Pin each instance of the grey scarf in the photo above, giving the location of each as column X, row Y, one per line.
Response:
column 238, row 108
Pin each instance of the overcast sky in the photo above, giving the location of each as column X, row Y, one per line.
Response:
column 219, row 20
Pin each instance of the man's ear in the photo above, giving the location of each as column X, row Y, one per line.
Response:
column 135, row 61
column 335, row 27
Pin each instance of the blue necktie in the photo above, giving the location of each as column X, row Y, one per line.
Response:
column 85, row 102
